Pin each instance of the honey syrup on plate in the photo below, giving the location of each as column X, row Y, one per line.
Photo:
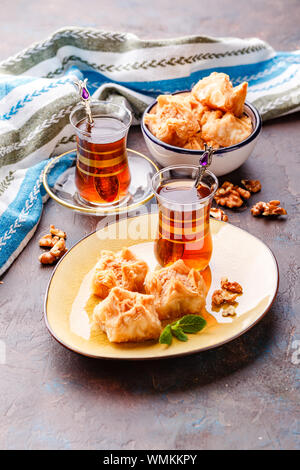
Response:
column 183, row 231
column 102, row 174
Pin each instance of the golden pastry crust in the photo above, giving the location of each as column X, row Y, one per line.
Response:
column 122, row 269
column 226, row 130
column 177, row 289
column 195, row 143
column 212, row 114
column 174, row 122
column 127, row 316
column 217, row 92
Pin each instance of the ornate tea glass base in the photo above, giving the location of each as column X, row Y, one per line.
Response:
column 64, row 191
column 125, row 200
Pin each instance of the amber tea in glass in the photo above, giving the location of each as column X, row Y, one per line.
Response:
column 183, row 230
column 102, row 175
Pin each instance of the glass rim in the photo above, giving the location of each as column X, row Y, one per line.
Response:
column 95, row 102
column 194, row 167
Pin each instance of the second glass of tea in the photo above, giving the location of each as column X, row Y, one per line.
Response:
column 184, row 230
column 102, row 175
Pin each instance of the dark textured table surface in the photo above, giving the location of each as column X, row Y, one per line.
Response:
column 244, row 395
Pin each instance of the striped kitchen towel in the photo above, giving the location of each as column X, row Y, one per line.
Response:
column 37, row 95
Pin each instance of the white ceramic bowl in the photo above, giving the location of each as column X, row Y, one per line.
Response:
column 225, row 159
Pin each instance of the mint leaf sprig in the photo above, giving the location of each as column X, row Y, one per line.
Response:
column 187, row 324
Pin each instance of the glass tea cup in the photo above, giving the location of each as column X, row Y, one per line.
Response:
column 184, row 215
column 102, row 175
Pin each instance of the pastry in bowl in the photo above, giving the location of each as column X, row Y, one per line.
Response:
column 174, row 121
column 212, row 114
column 216, row 92
column 127, row 316
column 176, row 127
column 121, row 269
column 177, row 290
column 224, row 130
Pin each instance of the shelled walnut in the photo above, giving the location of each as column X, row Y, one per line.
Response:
column 48, row 241
column 218, row 214
column 57, row 232
column 56, row 241
column 227, row 294
column 234, row 287
column 59, row 248
column 221, row 296
column 47, row 258
column 230, row 195
column 229, row 311
column 268, row 208
column 252, row 185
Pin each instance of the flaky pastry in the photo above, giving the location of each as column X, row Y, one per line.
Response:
column 217, row 92
column 122, row 269
column 212, row 114
column 127, row 316
column 177, row 289
column 174, row 122
column 195, row 143
column 225, row 130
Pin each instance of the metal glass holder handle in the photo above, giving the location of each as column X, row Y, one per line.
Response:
column 204, row 163
column 85, row 97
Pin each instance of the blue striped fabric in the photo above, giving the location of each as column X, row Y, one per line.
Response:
column 254, row 74
column 22, row 216
column 37, row 95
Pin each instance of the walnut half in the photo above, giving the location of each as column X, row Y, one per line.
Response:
column 48, row 241
column 56, row 252
column 56, row 241
column 221, row 296
column 218, row 214
column 268, row 208
column 234, row 287
column 227, row 294
column 231, row 196
column 229, row 311
column 56, row 231
column 252, row 185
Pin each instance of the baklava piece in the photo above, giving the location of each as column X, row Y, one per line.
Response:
column 121, row 269
column 174, row 121
column 217, row 92
column 212, row 114
column 177, row 289
column 127, row 316
column 224, row 130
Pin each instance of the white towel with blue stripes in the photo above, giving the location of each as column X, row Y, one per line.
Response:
column 37, row 95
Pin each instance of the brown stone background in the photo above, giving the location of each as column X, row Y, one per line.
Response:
column 244, row 395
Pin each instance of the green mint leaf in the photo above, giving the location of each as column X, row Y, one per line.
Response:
column 166, row 336
column 178, row 332
column 191, row 323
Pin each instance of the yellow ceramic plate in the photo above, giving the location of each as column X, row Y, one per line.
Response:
column 237, row 255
